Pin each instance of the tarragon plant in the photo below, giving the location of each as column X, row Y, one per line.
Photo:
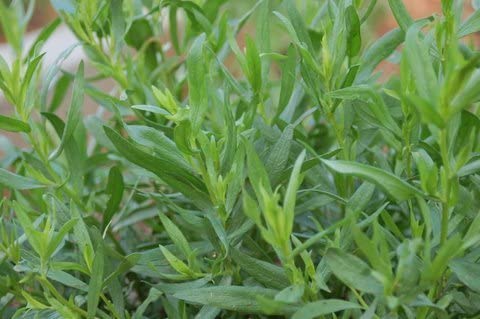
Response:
column 248, row 161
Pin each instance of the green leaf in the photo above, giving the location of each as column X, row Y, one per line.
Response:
column 164, row 148
column 270, row 275
column 256, row 170
column 57, row 238
column 417, row 56
column 43, row 36
column 212, row 8
column 394, row 186
column 176, row 235
column 138, row 33
column 50, row 76
column 254, row 66
column 183, row 136
column 375, row 105
column 59, row 92
column 471, row 168
column 14, row 181
column 118, row 24
column 197, row 82
column 361, row 197
column 291, row 294
column 114, row 189
column 323, row 307
column 354, row 40
column 468, row 272
column 369, row 249
column 74, row 112
column 263, row 34
column 279, row 154
column 231, row 150
column 184, row 286
column 234, row 298
column 66, row 279
column 468, row 95
column 299, row 26
column 291, row 194
column 95, row 285
column 352, row 271
column 449, row 250
column 172, row 19
column 177, row 264
column 151, row 109
column 471, row 25
column 190, row 185
column 82, row 236
column 219, row 230
column 401, row 14
column 13, row 125
column 288, row 80
column 75, row 157
column 378, row 52
column 127, row 263
column 428, row 171
column 32, row 66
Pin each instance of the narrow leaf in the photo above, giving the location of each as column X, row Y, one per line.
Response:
column 323, row 307
column 74, row 112
column 352, row 271
column 393, row 185
column 96, row 282
column 234, row 298
column 13, row 125
column 114, row 189
column 468, row 273
column 268, row 274
column 401, row 14
column 15, row 181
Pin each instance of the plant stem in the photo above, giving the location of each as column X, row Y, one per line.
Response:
column 346, row 182
column 447, row 185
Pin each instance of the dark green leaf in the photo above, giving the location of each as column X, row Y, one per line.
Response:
column 115, row 191
column 74, row 112
column 353, row 30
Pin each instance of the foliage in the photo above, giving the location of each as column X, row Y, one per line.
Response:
column 233, row 176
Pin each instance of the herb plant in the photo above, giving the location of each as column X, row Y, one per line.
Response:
column 249, row 162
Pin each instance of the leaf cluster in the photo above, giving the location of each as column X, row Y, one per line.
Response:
column 250, row 162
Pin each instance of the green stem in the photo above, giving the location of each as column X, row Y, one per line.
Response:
column 346, row 182
column 446, row 192
column 48, row 286
column 444, row 233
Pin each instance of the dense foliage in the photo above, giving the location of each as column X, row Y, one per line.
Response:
column 249, row 162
